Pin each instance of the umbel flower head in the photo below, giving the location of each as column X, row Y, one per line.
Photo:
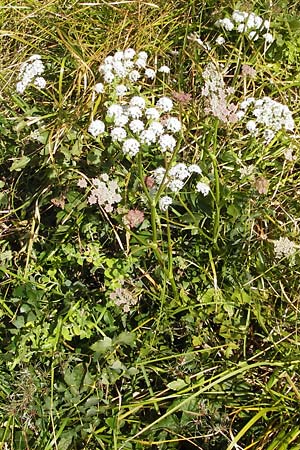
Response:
column 30, row 72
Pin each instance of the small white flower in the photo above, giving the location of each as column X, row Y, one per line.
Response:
column 118, row 134
column 96, row 127
column 268, row 135
column 108, row 77
column 220, row 40
column 99, row 88
column 179, row 171
column 131, row 147
column 82, row 183
column 121, row 89
column 121, row 121
column 108, row 60
column 238, row 16
column 251, row 126
column 159, row 174
column 227, row 24
column 165, row 104
column 138, row 101
column 20, row 87
column 152, row 113
column 156, row 127
column 253, row 35
column 203, row 188
column 141, row 63
column 167, row 142
column 118, row 56
column 114, row 110
column 136, row 126
column 40, row 82
column 268, row 38
column 143, row 55
column 175, row 185
column 165, row 202
column 119, row 69
column 135, row 112
column 150, row 73
column 173, row 124
column 129, row 53
column 164, row 69
column 134, row 75
column 240, row 114
column 148, row 137
column 194, row 168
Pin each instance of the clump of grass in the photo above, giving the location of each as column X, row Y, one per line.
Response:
column 149, row 226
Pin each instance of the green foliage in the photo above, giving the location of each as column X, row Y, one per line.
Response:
column 127, row 325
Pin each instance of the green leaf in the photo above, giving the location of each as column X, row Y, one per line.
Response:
column 102, row 346
column 19, row 163
column 126, row 338
column 177, row 385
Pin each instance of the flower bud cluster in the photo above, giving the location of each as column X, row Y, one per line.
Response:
column 216, row 93
column 267, row 116
column 105, row 192
column 248, row 23
column 30, row 72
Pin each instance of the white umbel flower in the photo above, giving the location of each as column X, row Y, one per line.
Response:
column 152, row 113
column 40, row 82
column 131, row 147
column 114, row 110
column 121, row 90
column 165, row 202
column 164, row 69
column 138, row 101
column 135, row 112
column 99, row 88
column 173, row 124
column 150, row 73
column 203, row 188
column 136, row 126
column 96, row 127
column 148, row 137
column 118, row 134
column 167, row 142
column 165, row 104
column 134, row 75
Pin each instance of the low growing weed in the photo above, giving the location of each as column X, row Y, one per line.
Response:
column 149, row 226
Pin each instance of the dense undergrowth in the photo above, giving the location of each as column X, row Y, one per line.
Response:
column 149, row 225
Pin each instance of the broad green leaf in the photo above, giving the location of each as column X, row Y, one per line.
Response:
column 102, row 346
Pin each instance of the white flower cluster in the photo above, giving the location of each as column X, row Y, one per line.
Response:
column 124, row 68
column 174, row 180
column 268, row 116
column 105, row 193
column 134, row 123
column 30, row 72
column 248, row 23
column 284, row 247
